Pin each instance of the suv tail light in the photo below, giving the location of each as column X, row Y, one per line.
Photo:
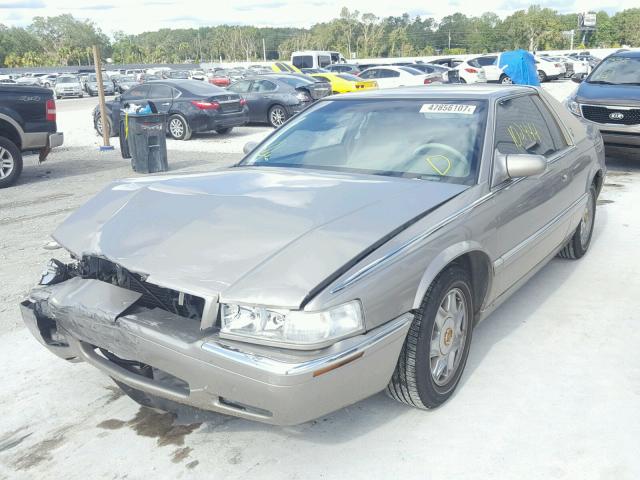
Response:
column 51, row 110
column 471, row 70
column 427, row 81
column 243, row 102
column 204, row 105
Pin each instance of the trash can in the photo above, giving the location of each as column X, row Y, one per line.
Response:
column 147, row 142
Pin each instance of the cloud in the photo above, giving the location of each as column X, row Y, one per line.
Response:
column 259, row 6
column 102, row 6
column 23, row 4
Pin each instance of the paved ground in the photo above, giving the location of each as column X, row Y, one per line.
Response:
column 551, row 389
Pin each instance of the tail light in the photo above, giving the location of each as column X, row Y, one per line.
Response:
column 427, row 81
column 243, row 102
column 557, row 65
column 204, row 105
column 51, row 110
column 471, row 70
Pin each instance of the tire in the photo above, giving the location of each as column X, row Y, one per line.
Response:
column 542, row 77
column 97, row 125
column 10, row 162
column 579, row 243
column 416, row 380
column 277, row 116
column 506, row 80
column 58, row 97
column 224, row 131
column 178, row 128
column 462, row 80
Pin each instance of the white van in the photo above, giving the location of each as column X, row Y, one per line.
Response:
column 315, row 58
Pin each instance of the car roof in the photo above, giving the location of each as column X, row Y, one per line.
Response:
column 471, row 91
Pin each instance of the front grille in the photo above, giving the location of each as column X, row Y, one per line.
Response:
column 611, row 115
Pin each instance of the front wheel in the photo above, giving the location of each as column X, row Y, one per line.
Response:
column 277, row 116
column 10, row 162
column 579, row 243
column 179, row 128
column 224, row 131
column 437, row 346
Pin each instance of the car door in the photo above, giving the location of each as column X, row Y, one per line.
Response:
column 243, row 88
column 162, row 97
column 263, row 91
column 532, row 212
column 388, row 78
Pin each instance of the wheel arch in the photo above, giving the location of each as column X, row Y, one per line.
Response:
column 598, row 180
column 10, row 129
column 469, row 255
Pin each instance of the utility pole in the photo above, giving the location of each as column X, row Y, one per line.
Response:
column 103, row 109
column 449, row 39
column 264, row 50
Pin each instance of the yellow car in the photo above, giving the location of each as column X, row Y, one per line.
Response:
column 345, row 82
column 284, row 67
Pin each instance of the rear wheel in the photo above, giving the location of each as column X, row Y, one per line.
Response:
column 224, row 131
column 179, row 128
column 277, row 116
column 97, row 124
column 506, row 80
column 10, row 162
column 542, row 77
column 581, row 239
column 462, row 80
column 437, row 346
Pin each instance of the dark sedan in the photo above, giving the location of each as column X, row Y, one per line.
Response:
column 609, row 98
column 191, row 107
column 274, row 98
column 124, row 83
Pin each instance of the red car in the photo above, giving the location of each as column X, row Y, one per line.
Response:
column 220, row 81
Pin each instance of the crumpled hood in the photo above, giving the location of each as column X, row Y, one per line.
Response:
column 265, row 235
column 627, row 95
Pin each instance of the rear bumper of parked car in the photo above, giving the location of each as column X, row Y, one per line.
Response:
column 276, row 386
column 206, row 122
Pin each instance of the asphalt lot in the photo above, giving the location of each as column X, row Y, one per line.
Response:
column 551, row 388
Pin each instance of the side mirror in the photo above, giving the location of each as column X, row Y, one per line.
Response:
column 117, row 98
column 525, row 165
column 249, row 147
column 516, row 165
column 578, row 77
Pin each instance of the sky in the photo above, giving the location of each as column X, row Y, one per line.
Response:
column 135, row 16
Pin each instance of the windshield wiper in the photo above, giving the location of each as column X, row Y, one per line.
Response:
column 628, row 83
column 601, row 82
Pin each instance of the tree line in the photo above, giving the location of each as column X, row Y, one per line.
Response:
column 65, row 40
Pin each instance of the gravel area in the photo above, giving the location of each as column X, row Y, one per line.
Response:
column 551, row 388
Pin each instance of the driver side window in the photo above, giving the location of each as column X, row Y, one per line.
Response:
column 137, row 93
column 521, row 128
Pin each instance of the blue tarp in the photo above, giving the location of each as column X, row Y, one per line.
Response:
column 520, row 65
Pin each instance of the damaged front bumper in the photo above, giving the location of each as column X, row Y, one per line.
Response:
column 96, row 322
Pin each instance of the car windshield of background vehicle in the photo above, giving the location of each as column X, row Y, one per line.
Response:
column 296, row 82
column 427, row 139
column 617, row 71
column 411, row 70
column 349, row 77
column 67, row 80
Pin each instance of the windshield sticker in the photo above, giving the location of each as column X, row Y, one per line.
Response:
column 524, row 134
column 456, row 108
column 440, row 164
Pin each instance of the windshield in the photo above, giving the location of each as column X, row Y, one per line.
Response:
column 617, row 71
column 67, row 80
column 411, row 70
column 407, row 138
column 179, row 75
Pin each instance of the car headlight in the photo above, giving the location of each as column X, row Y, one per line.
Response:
column 291, row 328
column 574, row 107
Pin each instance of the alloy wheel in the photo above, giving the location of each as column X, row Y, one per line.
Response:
column 176, row 127
column 6, row 163
column 448, row 337
column 586, row 223
column 277, row 116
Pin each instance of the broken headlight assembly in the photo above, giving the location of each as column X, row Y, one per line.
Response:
column 291, row 328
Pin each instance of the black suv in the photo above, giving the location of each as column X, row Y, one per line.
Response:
column 27, row 123
column 610, row 99
column 191, row 106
